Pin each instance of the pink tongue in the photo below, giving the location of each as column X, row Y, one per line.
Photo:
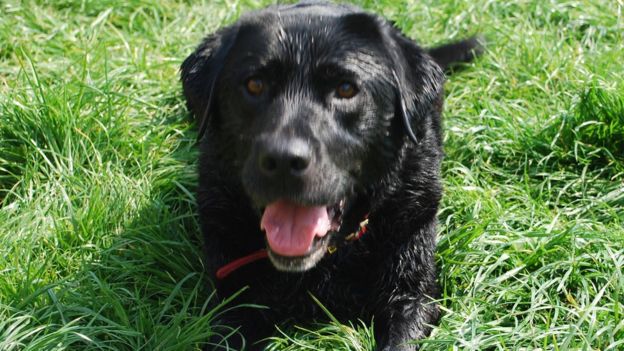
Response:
column 290, row 228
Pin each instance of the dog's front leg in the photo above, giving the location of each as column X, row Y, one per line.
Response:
column 402, row 322
column 406, row 288
column 245, row 330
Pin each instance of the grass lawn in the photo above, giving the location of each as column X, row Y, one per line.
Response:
column 99, row 243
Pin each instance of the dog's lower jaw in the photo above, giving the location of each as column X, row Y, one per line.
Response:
column 298, row 264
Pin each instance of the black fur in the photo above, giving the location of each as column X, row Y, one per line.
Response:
column 357, row 149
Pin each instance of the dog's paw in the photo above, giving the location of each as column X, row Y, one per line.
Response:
column 397, row 344
column 404, row 347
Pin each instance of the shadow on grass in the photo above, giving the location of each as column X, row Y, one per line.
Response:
column 149, row 289
column 145, row 287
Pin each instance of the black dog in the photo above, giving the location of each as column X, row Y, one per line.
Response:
column 320, row 148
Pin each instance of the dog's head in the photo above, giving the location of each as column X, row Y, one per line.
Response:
column 308, row 104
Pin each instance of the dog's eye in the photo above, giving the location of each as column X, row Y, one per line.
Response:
column 346, row 90
column 255, row 86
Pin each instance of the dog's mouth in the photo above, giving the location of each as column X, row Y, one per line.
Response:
column 297, row 236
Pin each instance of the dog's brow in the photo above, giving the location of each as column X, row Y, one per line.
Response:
column 338, row 68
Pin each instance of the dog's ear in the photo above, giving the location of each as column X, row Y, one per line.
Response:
column 200, row 72
column 419, row 81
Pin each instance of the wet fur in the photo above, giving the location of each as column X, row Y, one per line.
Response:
column 389, row 275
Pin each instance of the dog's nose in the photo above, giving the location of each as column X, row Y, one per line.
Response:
column 284, row 157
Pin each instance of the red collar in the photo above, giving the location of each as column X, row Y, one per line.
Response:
column 227, row 269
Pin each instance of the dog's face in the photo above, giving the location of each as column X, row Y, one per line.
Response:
column 307, row 104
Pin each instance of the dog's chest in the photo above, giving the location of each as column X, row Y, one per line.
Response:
column 343, row 283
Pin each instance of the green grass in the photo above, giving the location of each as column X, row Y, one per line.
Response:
column 99, row 243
